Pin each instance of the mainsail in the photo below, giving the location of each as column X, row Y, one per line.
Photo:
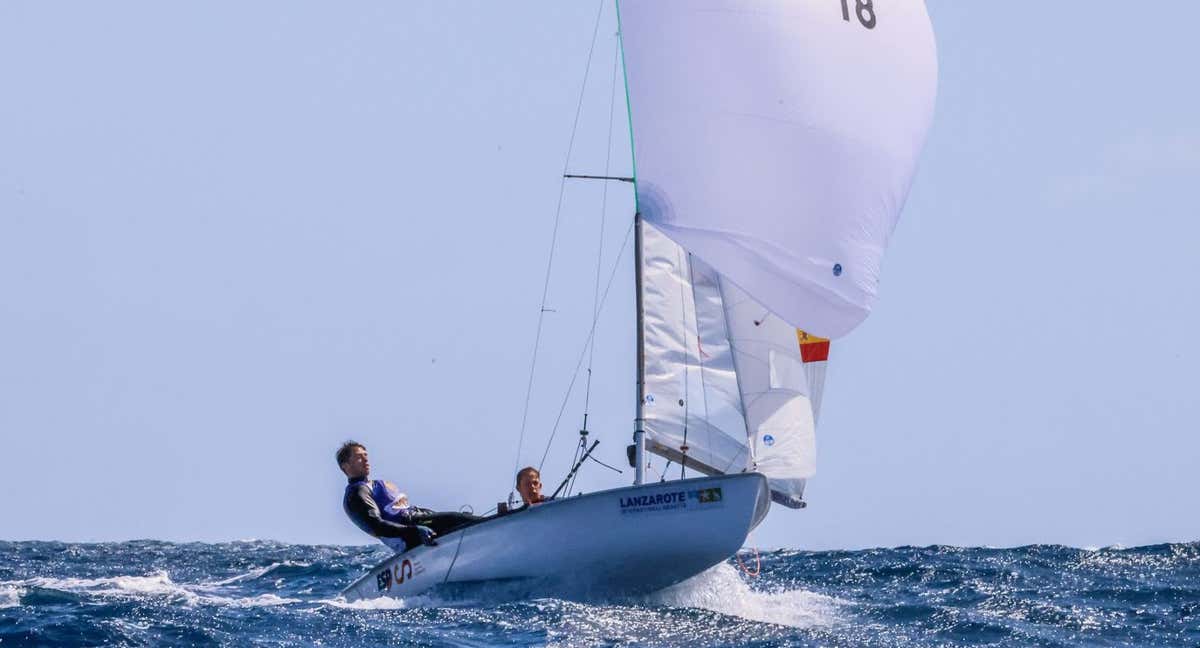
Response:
column 692, row 406
column 725, row 383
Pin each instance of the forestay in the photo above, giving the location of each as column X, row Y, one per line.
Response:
column 777, row 139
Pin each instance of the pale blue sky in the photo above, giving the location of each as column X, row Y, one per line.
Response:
column 233, row 235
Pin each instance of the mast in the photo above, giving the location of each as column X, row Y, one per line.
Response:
column 639, row 433
column 639, row 422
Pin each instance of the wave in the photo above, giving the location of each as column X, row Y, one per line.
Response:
column 262, row 600
column 157, row 585
column 142, row 593
column 260, row 572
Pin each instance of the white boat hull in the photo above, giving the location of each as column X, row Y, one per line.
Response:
column 628, row 540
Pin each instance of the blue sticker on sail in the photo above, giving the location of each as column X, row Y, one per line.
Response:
column 837, row 269
column 768, row 440
column 649, row 399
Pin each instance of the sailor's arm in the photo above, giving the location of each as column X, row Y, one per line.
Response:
column 365, row 512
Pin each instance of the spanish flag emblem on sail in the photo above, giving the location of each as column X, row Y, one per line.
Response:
column 813, row 348
column 814, row 351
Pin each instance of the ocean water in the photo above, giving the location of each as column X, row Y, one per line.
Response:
column 256, row 593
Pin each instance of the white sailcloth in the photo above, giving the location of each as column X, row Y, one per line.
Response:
column 777, row 139
column 726, row 387
column 692, row 405
column 774, row 386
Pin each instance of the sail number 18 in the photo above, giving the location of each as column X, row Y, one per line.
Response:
column 865, row 10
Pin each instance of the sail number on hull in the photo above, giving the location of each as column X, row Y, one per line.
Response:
column 397, row 574
column 865, row 10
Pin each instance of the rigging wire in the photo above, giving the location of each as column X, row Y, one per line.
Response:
column 612, row 468
column 587, row 455
column 742, row 404
column 581, row 449
column 708, row 427
column 583, row 351
column 686, row 401
column 562, row 188
column 587, row 393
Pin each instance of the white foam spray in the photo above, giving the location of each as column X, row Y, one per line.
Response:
column 381, row 603
column 722, row 589
column 10, row 596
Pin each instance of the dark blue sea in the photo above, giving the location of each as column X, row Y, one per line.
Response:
column 256, row 593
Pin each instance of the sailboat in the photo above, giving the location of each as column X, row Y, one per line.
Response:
column 774, row 143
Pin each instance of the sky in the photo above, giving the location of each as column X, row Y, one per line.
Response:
column 233, row 236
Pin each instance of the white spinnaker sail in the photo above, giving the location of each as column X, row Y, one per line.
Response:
column 777, row 139
column 774, row 386
column 691, row 393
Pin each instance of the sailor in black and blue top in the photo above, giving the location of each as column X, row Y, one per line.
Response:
column 378, row 510
column 361, row 505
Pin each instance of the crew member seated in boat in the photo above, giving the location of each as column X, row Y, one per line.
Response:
column 380, row 509
column 529, row 485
